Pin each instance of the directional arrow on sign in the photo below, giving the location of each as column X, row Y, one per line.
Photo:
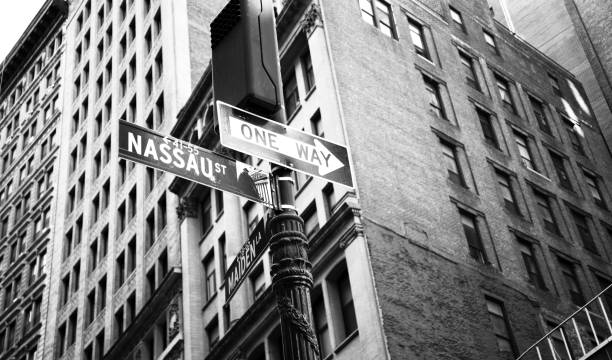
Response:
column 317, row 155
column 267, row 139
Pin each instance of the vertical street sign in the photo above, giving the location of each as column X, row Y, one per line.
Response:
column 283, row 145
column 248, row 255
column 194, row 163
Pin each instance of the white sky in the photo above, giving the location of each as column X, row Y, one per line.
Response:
column 15, row 15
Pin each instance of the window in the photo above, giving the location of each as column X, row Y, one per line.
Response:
column 251, row 211
column 559, row 165
column 349, row 319
column 470, row 229
column 490, row 40
column 554, row 83
column 210, row 276
column 258, row 281
column 593, row 189
column 101, row 294
column 378, row 13
column 469, row 70
column 584, row 231
column 545, row 211
column 568, row 272
column 574, row 138
column 309, row 78
column 161, row 213
column 212, row 332
column 329, row 199
column 316, row 127
column 311, row 223
column 292, row 98
column 505, row 184
column 457, row 18
column 435, row 100
column 531, row 264
column 503, row 87
column 417, row 35
column 449, row 152
column 320, row 323
column 218, row 202
column 119, row 270
column 524, row 152
column 500, row 326
column 540, row 115
column 206, row 213
column 149, row 230
column 486, row 123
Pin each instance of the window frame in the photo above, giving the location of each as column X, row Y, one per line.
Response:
column 503, row 316
column 457, row 18
column 423, row 50
column 475, row 244
column 376, row 18
column 432, row 88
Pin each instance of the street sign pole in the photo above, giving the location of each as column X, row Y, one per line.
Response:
column 246, row 73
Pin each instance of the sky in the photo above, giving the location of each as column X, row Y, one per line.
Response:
column 15, row 15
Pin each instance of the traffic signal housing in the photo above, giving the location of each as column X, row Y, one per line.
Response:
column 245, row 63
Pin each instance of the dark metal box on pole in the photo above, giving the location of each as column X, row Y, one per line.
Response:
column 243, row 39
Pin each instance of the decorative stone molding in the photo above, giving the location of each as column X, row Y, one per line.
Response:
column 174, row 323
column 187, row 208
column 355, row 231
column 312, row 20
column 138, row 353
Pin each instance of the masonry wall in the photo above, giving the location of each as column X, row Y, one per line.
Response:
column 431, row 292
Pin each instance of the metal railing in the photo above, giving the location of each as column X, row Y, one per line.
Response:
column 581, row 335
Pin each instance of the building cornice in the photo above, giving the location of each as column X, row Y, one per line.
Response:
column 50, row 16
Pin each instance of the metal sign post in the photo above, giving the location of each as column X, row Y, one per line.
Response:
column 246, row 73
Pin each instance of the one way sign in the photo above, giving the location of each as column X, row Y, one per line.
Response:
column 284, row 145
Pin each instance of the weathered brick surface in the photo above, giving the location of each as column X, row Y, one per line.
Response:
column 431, row 293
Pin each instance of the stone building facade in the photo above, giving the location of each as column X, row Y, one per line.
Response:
column 31, row 84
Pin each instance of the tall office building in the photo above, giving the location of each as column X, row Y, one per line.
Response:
column 479, row 219
column 576, row 34
column 31, row 84
column 116, row 234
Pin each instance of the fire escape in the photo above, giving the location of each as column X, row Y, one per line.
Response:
column 586, row 334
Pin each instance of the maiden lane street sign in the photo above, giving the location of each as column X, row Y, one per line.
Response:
column 194, row 163
column 250, row 252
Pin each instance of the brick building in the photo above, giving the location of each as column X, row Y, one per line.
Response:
column 31, row 83
column 553, row 26
column 479, row 218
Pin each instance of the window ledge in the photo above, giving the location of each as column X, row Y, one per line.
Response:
column 301, row 189
column 294, row 113
column 205, row 234
column 210, row 301
column 538, row 173
column 219, row 215
column 346, row 341
column 309, row 93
